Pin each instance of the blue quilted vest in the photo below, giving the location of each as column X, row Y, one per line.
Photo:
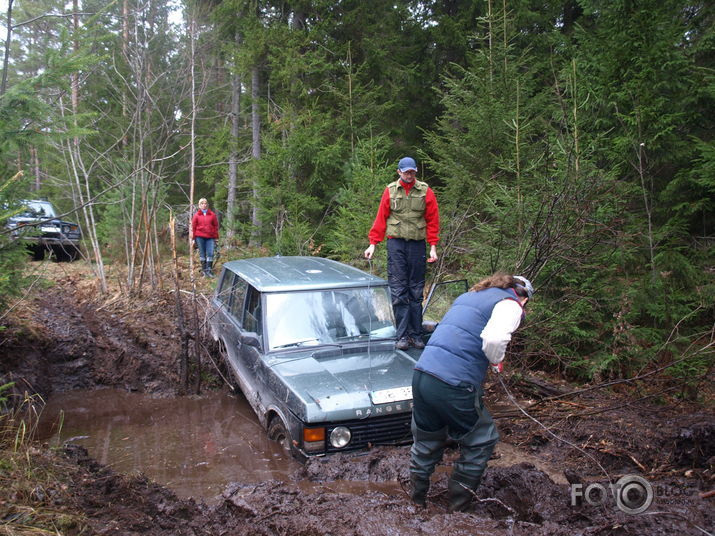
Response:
column 454, row 352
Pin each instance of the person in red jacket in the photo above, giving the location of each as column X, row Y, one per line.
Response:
column 204, row 230
column 408, row 215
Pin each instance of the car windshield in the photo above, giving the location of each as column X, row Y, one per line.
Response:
column 328, row 316
column 38, row 209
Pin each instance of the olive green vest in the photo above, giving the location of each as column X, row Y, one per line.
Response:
column 407, row 213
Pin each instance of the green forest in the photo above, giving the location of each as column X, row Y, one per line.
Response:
column 569, row 141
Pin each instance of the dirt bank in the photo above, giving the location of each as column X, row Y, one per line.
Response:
column 68, row 338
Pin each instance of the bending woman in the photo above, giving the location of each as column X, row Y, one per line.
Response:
column 447, row 385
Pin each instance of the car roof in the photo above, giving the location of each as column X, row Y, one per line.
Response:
column 276, row 274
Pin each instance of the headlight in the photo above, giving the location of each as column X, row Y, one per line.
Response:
column 340, row 436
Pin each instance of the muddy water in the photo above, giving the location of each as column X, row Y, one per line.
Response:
column 193, row 445
column 197, row 446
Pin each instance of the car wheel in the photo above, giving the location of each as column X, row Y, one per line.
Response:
column 72, row 254
column 278, row 432
column 65, row 253
column 38, row 253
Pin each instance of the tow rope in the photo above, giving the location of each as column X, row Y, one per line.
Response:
column 513, row 401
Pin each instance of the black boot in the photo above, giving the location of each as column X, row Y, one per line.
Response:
column 203, row 269
column 209, row 273
column 418, row 492
column 461, row 494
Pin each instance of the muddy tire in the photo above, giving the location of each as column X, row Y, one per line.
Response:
column 278, row 432
column 72, row 254
column 38, row 253
column 66, row 253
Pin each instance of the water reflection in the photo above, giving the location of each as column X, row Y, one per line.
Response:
column 194, row 445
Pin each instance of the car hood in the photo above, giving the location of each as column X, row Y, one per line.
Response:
column 345, row 380
column 24, row 220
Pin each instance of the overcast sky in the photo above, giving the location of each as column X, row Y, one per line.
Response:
column 175, row 17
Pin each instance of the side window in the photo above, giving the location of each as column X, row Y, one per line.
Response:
column 238, row 295
column 224, row 292
column 252, row 318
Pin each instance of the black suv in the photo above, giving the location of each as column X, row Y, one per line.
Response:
column 39, row 226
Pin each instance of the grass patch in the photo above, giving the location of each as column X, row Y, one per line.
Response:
column 34, row 480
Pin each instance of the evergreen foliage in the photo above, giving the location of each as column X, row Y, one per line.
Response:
column 568, row 141
column 365, row 178
column 27, row 120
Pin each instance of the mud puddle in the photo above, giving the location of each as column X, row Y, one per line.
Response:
column 193, row 445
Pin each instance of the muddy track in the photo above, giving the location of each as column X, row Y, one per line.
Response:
column 79, row 342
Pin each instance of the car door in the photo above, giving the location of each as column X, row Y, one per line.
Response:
column 233, row 294
column 439, row 300
column 252, row 345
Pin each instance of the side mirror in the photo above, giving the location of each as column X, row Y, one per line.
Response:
column 251, row 339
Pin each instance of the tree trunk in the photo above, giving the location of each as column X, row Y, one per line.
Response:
column 36, row 166
column 180, row 322
column 8, row 41
column 255, row 153
column 125, row 53
column 233, row 157
column 80, row 170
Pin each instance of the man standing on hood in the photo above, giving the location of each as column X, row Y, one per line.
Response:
column 409, row 215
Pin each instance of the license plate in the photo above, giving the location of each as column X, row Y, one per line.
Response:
column 397, row 394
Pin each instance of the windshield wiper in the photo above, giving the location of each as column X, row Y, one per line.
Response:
column 363, row 337
column 296, row 343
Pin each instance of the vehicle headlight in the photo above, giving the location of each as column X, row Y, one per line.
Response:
column 340, row 436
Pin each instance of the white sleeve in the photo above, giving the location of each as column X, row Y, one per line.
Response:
column 506, row 317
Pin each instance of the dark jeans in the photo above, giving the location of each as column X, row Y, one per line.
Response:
column 406, row 276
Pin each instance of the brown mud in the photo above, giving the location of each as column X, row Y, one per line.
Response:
column 68, row 338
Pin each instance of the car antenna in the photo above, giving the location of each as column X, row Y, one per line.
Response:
column 369, row 343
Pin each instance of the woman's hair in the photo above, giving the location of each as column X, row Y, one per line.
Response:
column 501, row 280
column 202, row 199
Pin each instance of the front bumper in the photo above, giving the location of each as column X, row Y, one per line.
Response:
column 50, row 241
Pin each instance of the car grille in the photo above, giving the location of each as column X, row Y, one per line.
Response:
column 390, row 430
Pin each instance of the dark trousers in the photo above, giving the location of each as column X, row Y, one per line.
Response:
column 441, row 411
column 406, row 276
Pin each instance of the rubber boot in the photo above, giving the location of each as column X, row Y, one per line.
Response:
column 461, row 492
column 209, row 265
column 425, row 453
column 475, row 449
column 203, row 269
column 418, row 491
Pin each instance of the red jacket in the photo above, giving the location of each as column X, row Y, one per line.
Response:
column 205, row 226
column 379, row 226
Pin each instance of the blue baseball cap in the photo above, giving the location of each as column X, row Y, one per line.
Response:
column 407, row 164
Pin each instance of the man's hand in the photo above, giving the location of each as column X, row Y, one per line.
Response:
column 370, row 251
column 498, row 367
column 432, row 253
